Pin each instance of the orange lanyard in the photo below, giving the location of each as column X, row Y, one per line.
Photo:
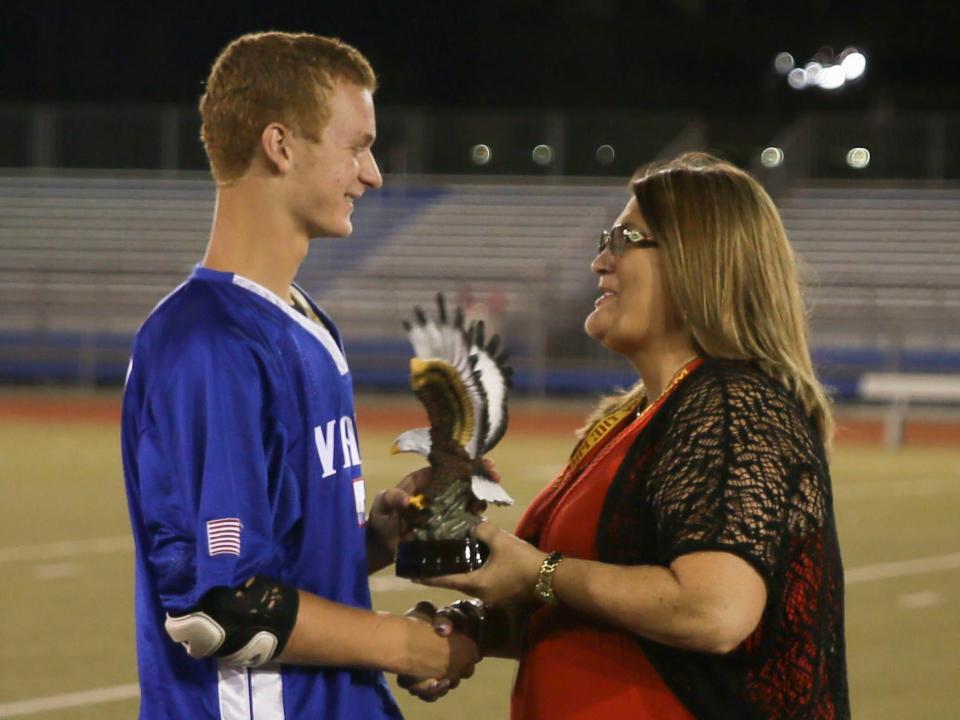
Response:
column 591, row 452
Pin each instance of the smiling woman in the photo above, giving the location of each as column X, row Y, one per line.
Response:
column 634, row 315
column 685, row 563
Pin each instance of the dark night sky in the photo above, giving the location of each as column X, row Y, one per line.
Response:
column 704, row 55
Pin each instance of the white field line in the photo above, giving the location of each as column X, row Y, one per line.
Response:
column 852, row 576
column 57, row 571
column 918, row 600
column 69, row 700
column 386, row 583
column 391, row 583
column 917, row 566
column 919, row 487
column 66, row 549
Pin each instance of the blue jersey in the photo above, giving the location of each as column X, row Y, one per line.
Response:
column 241, row 458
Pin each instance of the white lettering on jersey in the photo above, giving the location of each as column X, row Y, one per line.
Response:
column 326, row 436
column 360, row 499
column 348, row 440
column 325, row 447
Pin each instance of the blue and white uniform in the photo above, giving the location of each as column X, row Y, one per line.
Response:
column 241, row 458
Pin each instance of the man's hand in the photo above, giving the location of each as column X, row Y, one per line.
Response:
column 385, row 527
column 431, row 689
column 385, row 523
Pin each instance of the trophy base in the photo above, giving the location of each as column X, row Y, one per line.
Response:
column 430, row 558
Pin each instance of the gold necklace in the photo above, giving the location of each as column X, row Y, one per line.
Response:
column 644, row 407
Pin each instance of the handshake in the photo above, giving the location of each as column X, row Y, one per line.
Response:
column 461, row 623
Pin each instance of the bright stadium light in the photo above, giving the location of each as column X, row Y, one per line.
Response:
column 831, row 78
column 813, row 69
column 481, row 154
column 858, row 158
column 783, row 63
column 797, row 78
column 824, row 70
column 606, row 154
column 854, row 63
column 772, row 157
column 542, row 155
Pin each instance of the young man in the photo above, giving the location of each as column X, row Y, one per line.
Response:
column 239, row 437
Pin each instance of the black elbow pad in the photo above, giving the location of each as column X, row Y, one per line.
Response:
column 246, row 626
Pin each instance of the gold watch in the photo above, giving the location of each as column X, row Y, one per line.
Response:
column 544, row 587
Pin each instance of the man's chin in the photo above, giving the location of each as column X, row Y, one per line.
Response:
column 340, row 230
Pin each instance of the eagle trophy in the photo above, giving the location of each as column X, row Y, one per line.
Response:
column 462, row 380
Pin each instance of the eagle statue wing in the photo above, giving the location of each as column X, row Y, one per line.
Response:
column 491, row 371
column 454, row 374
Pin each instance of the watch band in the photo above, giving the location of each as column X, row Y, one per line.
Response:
column 544, row 587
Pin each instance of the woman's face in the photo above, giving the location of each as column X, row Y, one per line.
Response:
column 633, row 311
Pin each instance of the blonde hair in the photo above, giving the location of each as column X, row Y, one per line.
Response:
column 731, row 273
column 267, row 77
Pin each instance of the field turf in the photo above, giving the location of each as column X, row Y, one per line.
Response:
column 66, row 611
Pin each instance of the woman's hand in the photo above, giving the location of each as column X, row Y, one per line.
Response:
column 506, row 578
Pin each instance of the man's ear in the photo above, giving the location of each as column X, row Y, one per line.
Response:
column 275, row 142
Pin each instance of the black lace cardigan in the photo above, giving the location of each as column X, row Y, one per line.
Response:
column 732, row 463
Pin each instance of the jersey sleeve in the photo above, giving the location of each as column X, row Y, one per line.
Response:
column 212, row 471
column 723, row 481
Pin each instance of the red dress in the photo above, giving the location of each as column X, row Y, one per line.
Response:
column 571, row 666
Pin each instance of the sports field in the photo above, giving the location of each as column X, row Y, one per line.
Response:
column 66, row 619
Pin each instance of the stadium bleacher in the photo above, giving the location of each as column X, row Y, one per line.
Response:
column 85, row 258
column 884, row 276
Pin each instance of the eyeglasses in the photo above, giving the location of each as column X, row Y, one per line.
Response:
column 618, row 238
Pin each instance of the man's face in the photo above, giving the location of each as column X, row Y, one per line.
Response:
column 330, row 175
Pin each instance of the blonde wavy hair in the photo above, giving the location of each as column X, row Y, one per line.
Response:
column 731, row 273
column 267, row 77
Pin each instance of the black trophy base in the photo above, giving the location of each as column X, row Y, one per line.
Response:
column 430, row 558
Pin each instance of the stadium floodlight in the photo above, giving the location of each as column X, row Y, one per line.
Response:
column 854, row 63
column 824, row 69
column 783, row 63
column 606, row 154
column 481, row 154
column 797, row 78
column 813, row 69
column 858, row 158
column 542, row 155
column 832, row 77
column 772, row 157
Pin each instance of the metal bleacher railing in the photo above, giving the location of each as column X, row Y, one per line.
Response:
column 85, row 255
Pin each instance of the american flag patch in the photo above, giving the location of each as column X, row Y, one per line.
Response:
column 223, row 536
